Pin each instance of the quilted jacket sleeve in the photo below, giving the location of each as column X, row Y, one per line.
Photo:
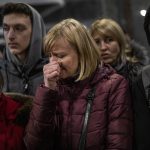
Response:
column 40, row 129
column 119, row 116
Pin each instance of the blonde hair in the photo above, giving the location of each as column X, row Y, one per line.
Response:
column 77, row 36
column 110, row 28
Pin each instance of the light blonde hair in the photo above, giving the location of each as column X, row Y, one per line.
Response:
column 106, row 27
column 79, row 38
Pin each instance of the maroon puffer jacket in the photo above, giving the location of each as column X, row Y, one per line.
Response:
column 57, row 116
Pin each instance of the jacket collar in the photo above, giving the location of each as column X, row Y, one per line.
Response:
column 23, row 106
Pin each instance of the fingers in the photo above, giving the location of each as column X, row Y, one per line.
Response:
column 51, row 70
column 51, row 73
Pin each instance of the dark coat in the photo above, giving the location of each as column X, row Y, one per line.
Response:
column 57, row 116
column 130, row 71
column 14, row 113
column 141, row 106
column 21, row 81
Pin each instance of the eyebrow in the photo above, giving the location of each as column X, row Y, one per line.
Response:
column 18, row 24
column 56, row 53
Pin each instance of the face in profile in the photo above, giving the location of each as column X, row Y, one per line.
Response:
column 66, row 56
column 17, row 33
column 108, row 47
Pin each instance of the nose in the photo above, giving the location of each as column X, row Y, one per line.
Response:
column 11, row 34
column 103, row 45
column 53, row 58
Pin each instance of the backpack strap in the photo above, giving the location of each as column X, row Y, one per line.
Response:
column 146, row 82
column 89, row 98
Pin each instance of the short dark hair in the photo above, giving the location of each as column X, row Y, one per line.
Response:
column 20, row 8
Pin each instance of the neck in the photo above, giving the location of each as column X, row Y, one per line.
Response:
column 21, row 58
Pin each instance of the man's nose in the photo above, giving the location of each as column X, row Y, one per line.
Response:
column 11, row 34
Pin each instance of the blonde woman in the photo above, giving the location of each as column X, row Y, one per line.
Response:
column 112, row 44
column 83, row 104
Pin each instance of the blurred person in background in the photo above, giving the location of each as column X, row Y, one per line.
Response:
column 23, row 59
column 83, row 104
column 111, row 40
column 141, row 103
column 136, row 52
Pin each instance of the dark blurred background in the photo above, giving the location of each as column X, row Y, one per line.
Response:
column 125, row 12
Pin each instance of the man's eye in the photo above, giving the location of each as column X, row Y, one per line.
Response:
column 6, row 28
column 19, row 28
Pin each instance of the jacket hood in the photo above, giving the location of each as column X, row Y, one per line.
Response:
column 102, row 72
column 24, row 108
column 36, row 44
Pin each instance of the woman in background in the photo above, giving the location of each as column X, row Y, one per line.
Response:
column 113, row 46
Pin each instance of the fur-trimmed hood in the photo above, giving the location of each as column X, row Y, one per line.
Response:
column 25, row 101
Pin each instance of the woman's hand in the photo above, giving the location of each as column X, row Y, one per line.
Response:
column 51, row 73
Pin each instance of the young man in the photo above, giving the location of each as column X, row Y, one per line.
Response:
column 23, row 58
column 141, row 103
